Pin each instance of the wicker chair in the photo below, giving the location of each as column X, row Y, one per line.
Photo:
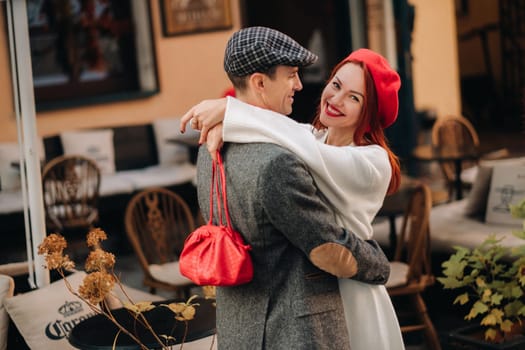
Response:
column 411, row 268
column 454, row 135
column 71, row 186
column 157, row 223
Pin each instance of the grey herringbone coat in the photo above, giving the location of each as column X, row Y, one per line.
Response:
column 290, row 303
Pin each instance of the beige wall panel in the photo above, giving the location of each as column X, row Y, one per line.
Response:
column 435, row 66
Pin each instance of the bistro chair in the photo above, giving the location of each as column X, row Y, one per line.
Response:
column 157, row 223
column 71, row 185
column 455, row 135
column 411, row 268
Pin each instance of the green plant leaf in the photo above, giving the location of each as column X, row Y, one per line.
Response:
column 454, row 266
column 460, row 251
column 451, row 282
column 489, row 320
column 496, row 287
column 490, row 334
column 521, row 311
column 517, row 292
column 506, row 326
column 491, row 240
column 480, row 282
column 496, row 298
column 518, row 210
column 462, row 299
column 520, row 234
column 477, row 309
column 514, row 308
column 518, row 251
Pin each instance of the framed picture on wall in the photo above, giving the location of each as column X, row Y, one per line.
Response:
column 89, row 52
column 193, row 16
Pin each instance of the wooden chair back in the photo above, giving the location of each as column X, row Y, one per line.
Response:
column 157, row 223
column 413, row 252
column 413, row 247
column 71, row 185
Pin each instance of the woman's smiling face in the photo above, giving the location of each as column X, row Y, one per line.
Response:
column 343, row 98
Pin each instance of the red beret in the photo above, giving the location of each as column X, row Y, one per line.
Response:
column 386, row 81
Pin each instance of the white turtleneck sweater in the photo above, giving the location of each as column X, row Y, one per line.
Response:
column 354, row 179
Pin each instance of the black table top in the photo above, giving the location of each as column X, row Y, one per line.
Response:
column 99, row 333
column 430, row 153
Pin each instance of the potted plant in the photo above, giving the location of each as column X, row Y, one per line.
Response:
column 491, row 281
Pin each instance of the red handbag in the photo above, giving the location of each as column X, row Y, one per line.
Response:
column 216, row 255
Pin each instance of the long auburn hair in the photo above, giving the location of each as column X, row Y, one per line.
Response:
column 369, row 130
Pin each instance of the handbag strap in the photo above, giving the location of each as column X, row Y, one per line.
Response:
column 218, row 186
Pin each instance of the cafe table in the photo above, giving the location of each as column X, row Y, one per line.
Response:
column 99, row 333
column 457, row 156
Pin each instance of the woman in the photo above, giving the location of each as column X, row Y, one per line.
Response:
column 349, row 158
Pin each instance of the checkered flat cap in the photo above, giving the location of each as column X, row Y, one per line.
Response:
column 257, row 49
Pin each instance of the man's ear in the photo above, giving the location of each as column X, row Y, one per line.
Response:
column 256, row 81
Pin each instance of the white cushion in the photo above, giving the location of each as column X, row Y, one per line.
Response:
column 95, row 144
column 117, row 183
column 161, row 176
column 202, row 344
column 478, row 195
column 169, row 273
column 11, row 201
column 10, row 153
column 39, row 314
column 170, row 152
column 9, row 175
column 7, row 287
column 507, row 187
column 468, row 175
column 45, row 316
column 14, row 268
column 398, row 274
column 449, row 226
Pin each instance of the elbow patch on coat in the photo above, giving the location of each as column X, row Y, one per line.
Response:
column 335, row 259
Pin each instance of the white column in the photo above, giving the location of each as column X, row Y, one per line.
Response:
column 143, row 41
column 22, row 77
column 381, row 29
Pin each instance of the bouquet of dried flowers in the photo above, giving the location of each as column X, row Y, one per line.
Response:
column 96, row 288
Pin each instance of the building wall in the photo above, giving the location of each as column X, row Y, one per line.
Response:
column 7, row 116
column 190, row 69
column 435, row 57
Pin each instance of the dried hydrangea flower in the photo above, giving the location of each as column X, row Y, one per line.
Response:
column 53, row 250
column 57, row 261
column 96, row 286
column 99, row 260
column 95, row 236
column 53, row 243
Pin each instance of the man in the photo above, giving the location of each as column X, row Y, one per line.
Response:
column 292, row 302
